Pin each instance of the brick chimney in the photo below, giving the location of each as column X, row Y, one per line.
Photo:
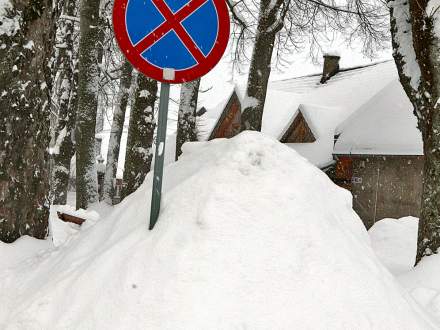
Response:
column 331, row 66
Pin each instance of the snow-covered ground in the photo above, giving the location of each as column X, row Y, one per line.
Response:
column 395, row 242
column 250, row 236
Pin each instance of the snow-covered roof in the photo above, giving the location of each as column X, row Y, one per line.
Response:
column 383, row 126
column 326, row 107
column 348, row 90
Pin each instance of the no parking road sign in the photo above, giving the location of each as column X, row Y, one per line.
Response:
column 172, row 41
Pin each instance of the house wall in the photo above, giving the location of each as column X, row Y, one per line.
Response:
column 382, row 186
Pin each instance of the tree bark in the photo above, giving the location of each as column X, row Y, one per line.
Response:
column 86, row 175
column 259, row 72
column 186, row 121
column 116, row 132
column 64, row 147
column 413, row 24
column 140, row 135
column 26, row 39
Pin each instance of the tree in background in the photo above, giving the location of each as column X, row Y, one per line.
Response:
column 283, row 25
column 415, row 29
column 88, row 76
column 26, row 39
column 186, row 121
column 116, row 131
column 139, row 153
column 66, row 101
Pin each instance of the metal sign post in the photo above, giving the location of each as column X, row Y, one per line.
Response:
column 172, row 42
column 160, row 153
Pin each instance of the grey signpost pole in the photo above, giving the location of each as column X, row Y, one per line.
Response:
column 160, row 153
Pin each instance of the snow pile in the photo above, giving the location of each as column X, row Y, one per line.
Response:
column 250, row 236
column 395, row 243
column 424, row 285
column 61, row 231
column 14, row 254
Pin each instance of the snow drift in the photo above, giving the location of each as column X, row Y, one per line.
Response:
column 395, row 243
column 250, row 236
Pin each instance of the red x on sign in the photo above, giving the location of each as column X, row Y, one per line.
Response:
column 173, row 23
column 182, row 41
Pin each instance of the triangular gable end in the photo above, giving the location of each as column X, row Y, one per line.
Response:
column 229, row 123
column 299, row 131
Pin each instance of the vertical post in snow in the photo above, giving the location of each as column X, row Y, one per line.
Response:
column 160, row 153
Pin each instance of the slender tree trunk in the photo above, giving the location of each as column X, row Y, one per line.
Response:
column 26, row 36
column 140, row 135
column 64, row 147
column 416, row 52
column 429, row 223
column 116, row 132
column 259, row 72
column 86, row 175
column 186, row 121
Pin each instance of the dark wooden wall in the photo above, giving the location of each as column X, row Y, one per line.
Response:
column 382, row 186
column 298, row 132
column 230, row 121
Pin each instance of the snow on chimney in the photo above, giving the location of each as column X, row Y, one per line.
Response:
column 331, row 66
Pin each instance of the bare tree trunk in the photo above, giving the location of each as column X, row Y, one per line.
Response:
column 116, row 132
column 26, row 36
column 86, row 175
column 416, row 47
column 259, row 72
column 140, row 135
column 64, row 147
column 186, row 121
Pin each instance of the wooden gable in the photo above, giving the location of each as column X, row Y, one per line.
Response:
column 298, row 132
column 229, row 122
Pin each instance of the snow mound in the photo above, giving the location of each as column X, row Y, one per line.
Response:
column 395, row 243
column 250, row 236
column 423, row 284
column 24, row 248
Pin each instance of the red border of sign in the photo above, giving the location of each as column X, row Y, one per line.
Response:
column 156, row 73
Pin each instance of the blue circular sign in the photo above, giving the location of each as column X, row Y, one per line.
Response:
column 172, row 40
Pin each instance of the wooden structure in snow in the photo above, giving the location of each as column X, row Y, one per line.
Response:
column 70, row 218
column 229, row 122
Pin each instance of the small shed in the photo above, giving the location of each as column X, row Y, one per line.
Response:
column 380, row 157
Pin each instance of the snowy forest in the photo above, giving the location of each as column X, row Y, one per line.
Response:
column 301, row 186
